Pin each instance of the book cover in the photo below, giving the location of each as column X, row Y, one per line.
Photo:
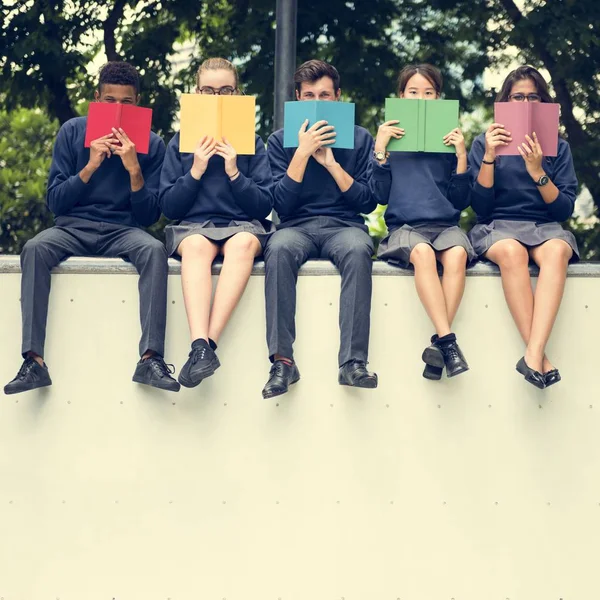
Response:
column 425, row 123
column 339, row 114
column 230, row 117
column 523, row 118
column 135, row 121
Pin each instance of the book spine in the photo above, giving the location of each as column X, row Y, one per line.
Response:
column 119, row 113
column 421, row 125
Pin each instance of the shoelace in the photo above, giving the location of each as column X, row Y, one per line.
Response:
column 160, row 367
column 452, row 353
column 277, row 368
column 198, row 354
column 27, row 366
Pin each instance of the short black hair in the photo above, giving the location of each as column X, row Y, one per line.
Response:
column 313, row 70
column 119, row 73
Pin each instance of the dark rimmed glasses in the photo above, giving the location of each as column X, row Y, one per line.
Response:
column 226, row 90
column 521, row 97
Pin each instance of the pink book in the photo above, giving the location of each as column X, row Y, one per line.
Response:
column 523, row 118
column 135, row 121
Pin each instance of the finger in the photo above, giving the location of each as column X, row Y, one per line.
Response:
column 520, row 151
column 398, row 134
column 529, row 140
column 303, row 126
column 327, row 136
column 119, row 136
column 392, row 122
column 318, row 125
column 495, row 126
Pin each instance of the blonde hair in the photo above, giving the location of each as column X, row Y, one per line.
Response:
column 216, row 64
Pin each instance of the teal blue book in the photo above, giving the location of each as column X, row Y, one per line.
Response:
column 338, row 114
column 425, row 123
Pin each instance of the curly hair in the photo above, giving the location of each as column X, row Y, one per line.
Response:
column 119, row 73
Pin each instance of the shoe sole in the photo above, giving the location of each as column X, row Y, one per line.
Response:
column 267, row 395
column 37, row 387
column 433, row 358
column 188, row 383
column 368, row 383
column 433, row 373
column 158, row 387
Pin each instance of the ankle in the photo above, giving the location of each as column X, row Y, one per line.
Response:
column 38, row 359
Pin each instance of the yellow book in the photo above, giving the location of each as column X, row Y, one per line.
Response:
column 230, row 117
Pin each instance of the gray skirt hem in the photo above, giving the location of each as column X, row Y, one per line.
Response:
column 528, row 233
column 398, row 245
column 175, row 234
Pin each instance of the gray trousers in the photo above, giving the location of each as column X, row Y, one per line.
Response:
column 80, row 237
column 350, row 249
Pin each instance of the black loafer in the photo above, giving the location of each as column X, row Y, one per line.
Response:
column 354, row 373
column 154, row 371
column 434, row 361
column 281, row 376
column 30, row 377
column 531, row 375
column 552, row 377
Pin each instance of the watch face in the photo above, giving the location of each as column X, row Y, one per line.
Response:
column 543, row 180
column 379, row 155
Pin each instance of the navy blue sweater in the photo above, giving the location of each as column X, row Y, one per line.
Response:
column 515, row 196
column 318, row 194
column 421, row 187
column 214, row 197
column 107, row 196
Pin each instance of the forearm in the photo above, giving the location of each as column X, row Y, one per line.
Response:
column 136, row 179
column 341, row 178
column 86, row 173
column 297, row 167
column 461, row 163
column 486, row 175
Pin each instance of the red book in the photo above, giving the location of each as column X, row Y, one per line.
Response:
column 135, row 121
column 523, row 118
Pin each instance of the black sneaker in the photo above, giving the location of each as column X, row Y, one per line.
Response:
column 354, row 373
column 281, row 376
column 30, row 376
column 156, row 372
column 453, row 357
column 432, row 354
column 202, row 363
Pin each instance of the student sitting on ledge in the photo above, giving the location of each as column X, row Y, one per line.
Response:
column 320, row 194
column 100, row 197
column 520, row 202
column 425, row 192
column 219, row 199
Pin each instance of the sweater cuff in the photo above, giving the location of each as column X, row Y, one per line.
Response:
column 291, row 186
column 190, row 183
column 561, row 209
column 138, row 197
column 462, row 176
column 352, row 193
column 78, row 187
column 483, row 191
column 381, row 172
column 240, row 183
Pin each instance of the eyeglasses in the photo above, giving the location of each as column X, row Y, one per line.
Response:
column 521, row 97
column 226, row 90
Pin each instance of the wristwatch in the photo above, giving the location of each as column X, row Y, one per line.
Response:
column 543, row 180
column 379, row 156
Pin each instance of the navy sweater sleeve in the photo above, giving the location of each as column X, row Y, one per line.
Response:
column 65, row 187
column 286, row 191
column 144, row 203
column 564, row 178
column 482, row 198
column 359, row 195
column 178, row 190
column 381, row 181
column 253, row 194
column 459, row 187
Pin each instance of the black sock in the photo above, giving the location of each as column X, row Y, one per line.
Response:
column 446, row 339
column 212, row 344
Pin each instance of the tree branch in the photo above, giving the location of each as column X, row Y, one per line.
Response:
column 109, row 26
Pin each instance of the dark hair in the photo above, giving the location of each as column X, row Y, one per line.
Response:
column 313, row 70
column 524, row 72
column 431, row 73
column 119, row 73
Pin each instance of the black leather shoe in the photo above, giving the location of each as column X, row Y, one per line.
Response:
column 531, row 376
column 281, row 376
column 434, row 361
column 202, row 363
column 355, row 373
column 30, row 377
column 552, row 377
column 453, row 357
column 156, row 372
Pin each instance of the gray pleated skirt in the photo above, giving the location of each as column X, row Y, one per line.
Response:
column 175, row 234
column 398, row 245
column 528, row 233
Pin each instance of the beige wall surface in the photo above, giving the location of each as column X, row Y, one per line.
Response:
column 476, row 488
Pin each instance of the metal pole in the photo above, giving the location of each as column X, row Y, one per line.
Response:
column 285, row 56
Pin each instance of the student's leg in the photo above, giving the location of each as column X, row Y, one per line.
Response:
column 197, row 256
column 513, row 259
column 351, row 251
column 239, row 253
column 454, row 261
column 286, row 251
column 38, row 257
column 429, row 287
column 552, row 257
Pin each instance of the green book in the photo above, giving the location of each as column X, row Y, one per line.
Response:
column 425, row 123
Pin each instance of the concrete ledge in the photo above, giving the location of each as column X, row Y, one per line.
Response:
column 88, row 265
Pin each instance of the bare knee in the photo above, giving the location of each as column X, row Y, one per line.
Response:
column 197, row 247
column 509, row 254
column 553, row 252
column 242, row 246
column 423, row 255
column 454, row 259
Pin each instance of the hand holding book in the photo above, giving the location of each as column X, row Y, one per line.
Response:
column 315, row 137
column 532, row 154
column 386, row 132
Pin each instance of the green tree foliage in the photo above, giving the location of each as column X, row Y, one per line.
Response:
column 26, row 138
